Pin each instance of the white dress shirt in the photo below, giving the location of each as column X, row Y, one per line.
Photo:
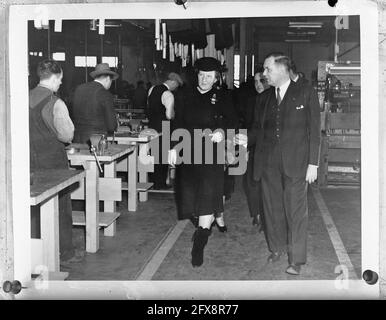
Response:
column 63, row 124
column 167, row 99
column 283, row 89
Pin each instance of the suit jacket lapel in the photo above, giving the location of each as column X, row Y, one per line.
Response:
column 289, row 97
column 268, row 104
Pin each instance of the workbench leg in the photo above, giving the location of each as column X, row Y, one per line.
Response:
column 132, row 181
column 49, row 215
column 110, row 230
column 110, row 206
column 92, row 207
column 143, row 175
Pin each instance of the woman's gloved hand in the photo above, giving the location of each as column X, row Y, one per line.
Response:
column 216, row 137
column 172, row 157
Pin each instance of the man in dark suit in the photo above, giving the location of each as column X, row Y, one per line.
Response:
column 286, row 133
column 93, row 106
column 252, row 188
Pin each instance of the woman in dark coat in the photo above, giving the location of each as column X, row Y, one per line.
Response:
column 200, row 186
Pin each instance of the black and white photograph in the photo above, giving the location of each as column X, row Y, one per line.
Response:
column 188, row 149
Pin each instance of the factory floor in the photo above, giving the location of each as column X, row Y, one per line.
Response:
column 151, row 244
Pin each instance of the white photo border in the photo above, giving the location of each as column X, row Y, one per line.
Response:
column 18, row 75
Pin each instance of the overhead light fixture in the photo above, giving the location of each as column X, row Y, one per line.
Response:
column 303, row 33
column 305, row 24
column 297, row 40
column 344, row 69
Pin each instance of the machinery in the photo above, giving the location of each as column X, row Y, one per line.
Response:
column 339, row 97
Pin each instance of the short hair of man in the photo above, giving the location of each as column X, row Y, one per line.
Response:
column 259, row 69
column 293, row 66
column 47, row 68
column 282, row 59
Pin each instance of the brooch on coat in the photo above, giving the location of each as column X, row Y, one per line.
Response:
column 213, row 100
column 300, row 107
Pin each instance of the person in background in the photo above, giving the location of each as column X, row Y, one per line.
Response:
column 93, row 107
column 123, row 89
column 297, row 77
column 241, row 97
column 50, row 129
column 287, row 138
column 140, row 96
column 200, row 186
column 161, row 108
column 252, row 188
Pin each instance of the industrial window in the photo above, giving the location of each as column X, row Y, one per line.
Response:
column 80, row 61
column 112, row 61
column 59, row 56
column 36, row 54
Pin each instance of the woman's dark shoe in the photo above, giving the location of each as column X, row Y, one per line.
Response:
column 220, row 228
column 200, row 239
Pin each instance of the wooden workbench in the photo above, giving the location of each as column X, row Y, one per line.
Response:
column 108, row 186
column 46, row 184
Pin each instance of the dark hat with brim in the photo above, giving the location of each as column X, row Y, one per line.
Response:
column 207, row 64
column 103, row 69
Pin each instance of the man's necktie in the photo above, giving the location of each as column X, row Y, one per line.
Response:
column 278, row 98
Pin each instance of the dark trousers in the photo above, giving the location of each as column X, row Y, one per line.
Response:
column 285, row 209
column 158, row 177
column 252, row 189
column 229, row 184
column 65, row 224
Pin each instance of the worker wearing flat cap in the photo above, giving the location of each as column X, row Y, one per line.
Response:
column 93, row 105
column 160, row 105
column 199, row 184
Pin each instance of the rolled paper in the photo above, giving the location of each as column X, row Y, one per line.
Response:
column 193, row 54
column 222, row 59
column 171, row 50
column 246, row 68
column 38, row 23
column 186, row 51
column 164, row 37
column 58, row 25
column 157, row 31
column 176, row 49
column 101, row 26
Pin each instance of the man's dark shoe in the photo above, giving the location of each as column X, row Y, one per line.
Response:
column 293, row 269
column 274, row 257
